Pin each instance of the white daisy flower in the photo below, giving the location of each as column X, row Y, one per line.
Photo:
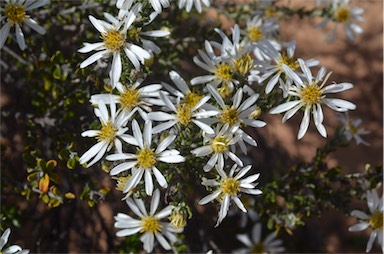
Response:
column 11, row 249
column 182, row 114
column 143, row 163
column 218, row 146
column 352, row 130
column 132, row 98
column 114, row 37
column 274, row 71
column 373, row 221
column 112, row 130
column 15, row 14
column 239, row 113
column 148, row 224
column 311, row 94
column 187, row 4
column 229, row 188
column 344, row 14
column 222, row 73
column 254, row 245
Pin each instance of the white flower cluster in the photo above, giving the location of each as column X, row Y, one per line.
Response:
column 140, row 124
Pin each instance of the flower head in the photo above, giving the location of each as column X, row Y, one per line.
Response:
column 374, row 220
column 187, row 4
column 15, row 14
column 229, row 187
column 149, row 224
column 311, row 94
column 11, row 249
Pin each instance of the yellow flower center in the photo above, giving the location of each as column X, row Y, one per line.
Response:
column 229, row 116
column 121, row 181
column 184, row 114
column 178, row 219
column 342, row 15
column 376, row 220
column 289, row 61
column 244, row 64
column 270, row 12
column 130, row 98
column 107, row 133
column 255, row 114
column 224, row 91
column 258, row 248
column 223, row 72
column 146, row 158
column 254, row 34
column 113, row 40
column 15, row 13
column 220, row 144
column 150, row 224
column 191, row 99
column 134, row 33
column 230, row 186
column 311, row 94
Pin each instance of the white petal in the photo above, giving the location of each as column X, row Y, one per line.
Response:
column 164, row 212
column 239, row 204
column 216, row 95
column 272, row 83
column 206, row 128
column 127, row 232
column 137, row 133
column 160, row 116
column 284, row 107
column 165, row 143
column 202, row 79
column 97, row 24
column 372, row 238
column 93, row 58
column 148, row 182
column 33, row 24
column 292, row 75
column 359, row 227
column 304, row 123
column 209, row 198
column 134, row 180
column 122, row 167
column 360, row 214
column 4, row 32
column 160, row 178
column 154, row 202
column 172, row 159
column 116, row 69
column 163, row 242
column 20, row 37
column 162, row 127
column 251, row 179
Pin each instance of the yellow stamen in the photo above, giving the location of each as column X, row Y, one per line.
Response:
column 113, row 40
column 289, row 61
column 107, row 133
column 254, row 34
column 311, row 94
column 342, row 15
column 244, row 64
column 134, row 33
column 130, row 98
column 258, row 248
column 184, row 114
column 146, row 158
column 178, row 219
column 191, row 99
column 220, row 144
column 150, row 224
column 224, row 91
column 230, row 186
column 223, row 72
column 376, row 220
column 229, row 116
column 15, row 13
column 121, row 181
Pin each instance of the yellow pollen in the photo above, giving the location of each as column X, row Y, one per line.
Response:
column 150, row 224
column 130, row 98
column 230, row 186
column 224, row 91
column 15, row 13
column 191, row 99
column 254, row 34
column 178, row 219
column 107, row 133
column 134, row 33
column 289, row 61
column 113, row 40
column 184, row 114
column 244, row 64
column 258, row 248
column 121, row 181
column 342, row 15
column 229, row 116
column 270, row 12
column 220, row 144
column 223, row 72
column 146, row 158
column 255, row 114
column 376, row 220
column 311, row 94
